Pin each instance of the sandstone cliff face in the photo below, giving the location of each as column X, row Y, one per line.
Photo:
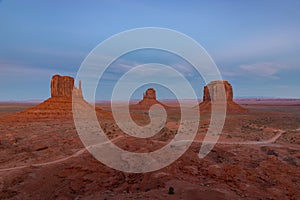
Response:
column 63, row 86
column 213, row 93
column 60, row 102
column 150, row 94
column 214, row 88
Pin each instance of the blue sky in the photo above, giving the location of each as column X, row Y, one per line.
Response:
column 255, row 44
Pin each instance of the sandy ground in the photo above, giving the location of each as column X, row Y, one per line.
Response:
column 257, row 157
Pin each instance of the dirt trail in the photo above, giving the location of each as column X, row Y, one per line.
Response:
column 76, row 154
column 271, row 140
column 81, row 151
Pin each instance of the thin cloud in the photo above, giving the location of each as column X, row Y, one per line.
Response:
column 186, row 71
column 268, row 44
column 9, row 69
column 262, row 70
column 122, row 66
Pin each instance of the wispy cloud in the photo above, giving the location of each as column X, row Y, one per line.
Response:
column 268, row 70
column 258, row 70
column 122, row 66
column 270, row 43
column 186, row 71
column 66, row 53
column 17, row 69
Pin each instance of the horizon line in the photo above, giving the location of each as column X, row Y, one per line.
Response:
column 164, row 99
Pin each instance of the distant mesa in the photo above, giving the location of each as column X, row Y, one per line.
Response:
column 149, row 99
column 213, row 93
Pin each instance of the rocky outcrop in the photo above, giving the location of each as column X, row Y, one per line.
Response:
column 149, row 99
column 214, row 88
column 60, row 102
column 213, row 92
column 150, row 94
column 63, row 86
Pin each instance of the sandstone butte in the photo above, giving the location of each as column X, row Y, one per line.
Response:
column 149, row 99
column 60, row 102
column 211, row 93
column 63, row 91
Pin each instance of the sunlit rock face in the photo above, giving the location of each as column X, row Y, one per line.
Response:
column 215, row 88
column 60, row 102
column 150, row 94
column 63, row 86
column 217, row 92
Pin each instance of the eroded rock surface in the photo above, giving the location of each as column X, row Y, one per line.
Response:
column 149, row 99
column 213, row 92
column 150, row 94
column 215, row 88
column 63, row 86
column 60, row 102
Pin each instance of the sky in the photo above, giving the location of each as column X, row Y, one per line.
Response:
column 255, row 44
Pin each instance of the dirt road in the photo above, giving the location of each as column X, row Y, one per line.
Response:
column 81, row 151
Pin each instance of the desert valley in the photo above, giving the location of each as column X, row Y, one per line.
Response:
column 256, row 157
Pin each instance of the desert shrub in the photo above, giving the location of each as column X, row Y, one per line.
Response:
column 171, row 190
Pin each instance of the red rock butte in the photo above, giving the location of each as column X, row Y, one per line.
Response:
column 149, row 99
column 212, row 92
column 60, row 102
column 63, row 86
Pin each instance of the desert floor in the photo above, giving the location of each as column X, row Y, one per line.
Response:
column 257, row 157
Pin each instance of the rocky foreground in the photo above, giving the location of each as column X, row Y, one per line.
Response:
column 45, row 159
